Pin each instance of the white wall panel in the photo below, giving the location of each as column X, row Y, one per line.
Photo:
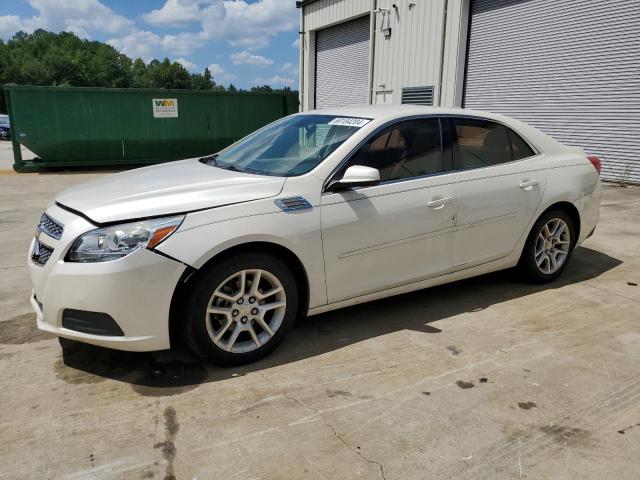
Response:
column 325, row 13
column 411, row 57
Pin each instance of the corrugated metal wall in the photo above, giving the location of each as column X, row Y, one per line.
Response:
column 315, row 16
column 342, row 64
column 412, row 56
column 570, row 68
column 324, row 13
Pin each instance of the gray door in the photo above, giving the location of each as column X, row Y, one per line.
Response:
column 570, row 68
column 342, row 64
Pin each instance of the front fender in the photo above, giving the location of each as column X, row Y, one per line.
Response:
column 298, row 232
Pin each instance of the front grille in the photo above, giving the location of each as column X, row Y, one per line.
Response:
column 41, row 253
column 50, row 226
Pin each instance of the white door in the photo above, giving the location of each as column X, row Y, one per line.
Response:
column 400, row 231
column 500, row 185
column 342, row 64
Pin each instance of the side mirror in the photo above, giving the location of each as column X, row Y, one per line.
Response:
column 356, row 176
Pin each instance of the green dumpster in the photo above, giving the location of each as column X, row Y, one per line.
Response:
column 78, row 127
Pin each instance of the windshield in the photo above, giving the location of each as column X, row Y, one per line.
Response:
column 291, row 146
column 4, row 118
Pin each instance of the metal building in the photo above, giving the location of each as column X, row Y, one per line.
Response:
column 569, row 67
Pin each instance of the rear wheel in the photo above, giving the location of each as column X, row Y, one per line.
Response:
column 548, row 248
column 241, row 309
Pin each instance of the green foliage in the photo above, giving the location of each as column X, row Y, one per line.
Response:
column 263, row 88
column 202, row 82
column 63, row 59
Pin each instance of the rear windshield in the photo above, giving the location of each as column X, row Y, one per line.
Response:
column 291, row 146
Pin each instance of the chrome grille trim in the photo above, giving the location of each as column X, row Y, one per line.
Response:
column 41, row 253
column 292, row 204
column 51, row 227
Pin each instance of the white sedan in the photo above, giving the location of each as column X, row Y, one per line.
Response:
column 316, row 211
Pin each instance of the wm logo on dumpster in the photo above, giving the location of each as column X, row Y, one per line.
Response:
column 165, row 107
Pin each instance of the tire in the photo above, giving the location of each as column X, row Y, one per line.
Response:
column 529, row 266
column 214, row 304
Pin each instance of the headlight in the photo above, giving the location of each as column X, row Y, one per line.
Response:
column 117, row 241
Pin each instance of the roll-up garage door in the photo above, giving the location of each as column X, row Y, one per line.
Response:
column 342, row 64
column 570, row 68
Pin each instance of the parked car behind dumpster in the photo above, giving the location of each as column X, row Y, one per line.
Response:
column 5, row 128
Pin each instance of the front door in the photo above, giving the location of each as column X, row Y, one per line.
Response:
column 400, row 231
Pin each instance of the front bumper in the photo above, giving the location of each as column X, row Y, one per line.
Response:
column 135, row 291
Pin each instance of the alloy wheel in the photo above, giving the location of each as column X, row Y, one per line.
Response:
column 246, row 310
column 552, row 246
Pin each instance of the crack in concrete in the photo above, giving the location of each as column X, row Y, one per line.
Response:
column 336, row 434
column 611, row 293
column 331, row 427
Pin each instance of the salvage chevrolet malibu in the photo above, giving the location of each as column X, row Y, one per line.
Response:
column 316, row 211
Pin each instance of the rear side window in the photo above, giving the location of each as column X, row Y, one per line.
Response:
column 481, row 143
column 404, row 150
column 520, row 148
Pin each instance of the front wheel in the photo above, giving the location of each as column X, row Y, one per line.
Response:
column 241, row 309
column 548, row 248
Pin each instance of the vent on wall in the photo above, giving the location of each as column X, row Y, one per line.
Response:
column 417, row 95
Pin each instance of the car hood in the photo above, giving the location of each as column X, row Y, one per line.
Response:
column 166, row 189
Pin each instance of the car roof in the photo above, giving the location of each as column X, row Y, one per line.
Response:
column 383, row 113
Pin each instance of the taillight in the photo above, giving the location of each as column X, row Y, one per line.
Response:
column 595, row 161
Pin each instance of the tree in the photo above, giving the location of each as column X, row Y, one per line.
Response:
column 139, row 77
column 232, row 88
column 63, row 59
column 263, row 88
column 202, row 82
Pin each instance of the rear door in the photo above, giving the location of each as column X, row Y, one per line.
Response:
column 400, row 231
column 501, row 180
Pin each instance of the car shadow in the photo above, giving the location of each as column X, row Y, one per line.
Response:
column 176, row 371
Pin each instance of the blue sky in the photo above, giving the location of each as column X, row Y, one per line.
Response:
column 244, row 42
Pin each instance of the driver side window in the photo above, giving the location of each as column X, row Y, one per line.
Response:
column 403, row 150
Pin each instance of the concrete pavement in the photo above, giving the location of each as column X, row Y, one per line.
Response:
column 6, row 155
column 486, row 378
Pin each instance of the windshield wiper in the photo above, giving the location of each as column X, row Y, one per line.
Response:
column 229, row 167
column 210, row 160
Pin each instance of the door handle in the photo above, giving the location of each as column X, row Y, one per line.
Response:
column 439, row 203
column 528, row 184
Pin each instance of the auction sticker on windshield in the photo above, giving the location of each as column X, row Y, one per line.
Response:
column 349, row 122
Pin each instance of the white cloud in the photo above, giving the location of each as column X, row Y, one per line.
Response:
column 249, row 25
column 247, row 58
column 289, row 68
column 216, row 69
column 220, row 74
column 174, row 13
column 192, row 67
column 140, row 43
column 181, row 44
column 78, row 16
column 10, row 24
column 296, row 43
column 274, row 81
